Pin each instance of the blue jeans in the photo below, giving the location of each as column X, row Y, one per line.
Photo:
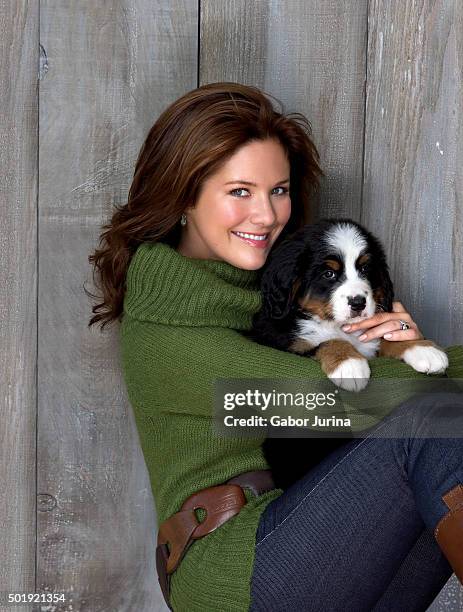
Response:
column 356, row 532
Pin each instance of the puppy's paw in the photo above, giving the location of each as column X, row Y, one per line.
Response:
column 427, row 359
column 352, row 374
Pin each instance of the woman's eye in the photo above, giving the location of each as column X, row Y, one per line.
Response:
column 235, row 191
column 329, row 274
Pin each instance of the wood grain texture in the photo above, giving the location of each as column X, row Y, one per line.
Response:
column 413, row 193
column 311, row 56
column 111, row 69
column 18, row 296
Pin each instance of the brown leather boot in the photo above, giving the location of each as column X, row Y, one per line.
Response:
column 449, row 530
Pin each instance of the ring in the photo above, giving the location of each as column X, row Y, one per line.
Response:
column 404, row 325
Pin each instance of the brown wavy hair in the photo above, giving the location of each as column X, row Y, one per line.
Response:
column 190, row 140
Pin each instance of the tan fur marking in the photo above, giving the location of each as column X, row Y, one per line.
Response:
column 333, row 264
column 333, row 352
column 300, row 346
column 397, row 349
column 363, row 259
column 316, row 307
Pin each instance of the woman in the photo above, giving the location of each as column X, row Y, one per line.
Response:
column 221, row 178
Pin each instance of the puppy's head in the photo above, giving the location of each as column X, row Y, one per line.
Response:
column 334, row 269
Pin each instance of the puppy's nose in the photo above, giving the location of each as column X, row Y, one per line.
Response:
column 357, row 303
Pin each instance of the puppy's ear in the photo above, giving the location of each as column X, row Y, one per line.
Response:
column 384, row 294
column 280, row 279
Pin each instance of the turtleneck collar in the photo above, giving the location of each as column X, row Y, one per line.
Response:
column 166, row 287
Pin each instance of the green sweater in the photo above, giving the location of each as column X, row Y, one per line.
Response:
column 181, row 331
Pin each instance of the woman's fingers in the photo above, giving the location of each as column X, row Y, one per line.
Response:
column 386, row 325
column 377, row 319
column 394, row 329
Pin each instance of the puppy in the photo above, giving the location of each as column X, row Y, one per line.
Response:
column 324, row 276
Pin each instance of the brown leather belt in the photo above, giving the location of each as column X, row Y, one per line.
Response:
column 220, row 502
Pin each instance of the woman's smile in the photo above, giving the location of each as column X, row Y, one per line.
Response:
column 260, row 241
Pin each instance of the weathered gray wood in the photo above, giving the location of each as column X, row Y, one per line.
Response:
column 112, row 68
column 18, row 296
column 310, row 55
column 413, row 192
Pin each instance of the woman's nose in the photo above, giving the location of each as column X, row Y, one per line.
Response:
column 263, row 214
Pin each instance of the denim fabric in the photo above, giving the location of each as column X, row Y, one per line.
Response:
column 356, row 532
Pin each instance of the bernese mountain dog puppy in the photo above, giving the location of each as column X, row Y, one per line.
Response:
column 322, row 277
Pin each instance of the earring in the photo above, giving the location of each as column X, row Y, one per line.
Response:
column 183, row 219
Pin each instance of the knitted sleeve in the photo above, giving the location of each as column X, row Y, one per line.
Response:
column 179, row 364
column 455, row 355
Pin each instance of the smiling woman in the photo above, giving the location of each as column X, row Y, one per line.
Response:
column 221, row 179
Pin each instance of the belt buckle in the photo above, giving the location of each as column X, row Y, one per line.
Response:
column 220, row 503
column 218, row 510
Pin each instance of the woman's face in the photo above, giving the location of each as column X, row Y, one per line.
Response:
column 248, row 195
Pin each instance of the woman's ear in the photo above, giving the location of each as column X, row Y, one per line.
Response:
column 188, row 208
column 280, row 278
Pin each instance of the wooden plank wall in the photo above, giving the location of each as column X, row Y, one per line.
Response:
column 381, row 83
column 413, row 179
column 18, row 295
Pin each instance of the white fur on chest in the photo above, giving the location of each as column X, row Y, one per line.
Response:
column 318, row 330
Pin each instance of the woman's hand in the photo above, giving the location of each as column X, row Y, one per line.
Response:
column 387, row 325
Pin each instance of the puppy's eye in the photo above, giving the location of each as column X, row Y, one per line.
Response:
column 364, row 269
column 329, row 274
